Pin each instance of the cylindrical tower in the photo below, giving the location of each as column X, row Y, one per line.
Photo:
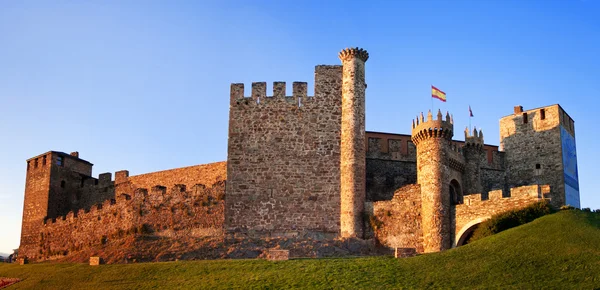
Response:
column 352, row 151
column 474, row 156
column 432, row 138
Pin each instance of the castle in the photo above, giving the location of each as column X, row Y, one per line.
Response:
column 304, row 167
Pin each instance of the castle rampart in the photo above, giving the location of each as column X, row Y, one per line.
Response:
column 193, row 213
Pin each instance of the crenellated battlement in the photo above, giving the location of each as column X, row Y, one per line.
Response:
column 522, row 192
column 476, row 139
column 140, row 197
column 258, row 94
column 353, row 52
column 429, row 128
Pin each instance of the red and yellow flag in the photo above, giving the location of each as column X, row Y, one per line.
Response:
column 438, row 94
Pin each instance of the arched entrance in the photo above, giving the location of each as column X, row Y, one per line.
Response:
column 456, row 195
column 467, row 230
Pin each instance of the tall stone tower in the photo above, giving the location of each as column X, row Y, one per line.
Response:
column 51, row 177
column 474, row 156
column 352, row 151
column 540, row 149
column 432, row 138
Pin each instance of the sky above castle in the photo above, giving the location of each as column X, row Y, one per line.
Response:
column 144, row 85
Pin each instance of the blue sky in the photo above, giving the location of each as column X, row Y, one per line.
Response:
column 144, row 85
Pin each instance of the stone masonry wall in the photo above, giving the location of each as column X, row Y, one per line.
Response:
column 198, row 211
column 397, row 222
column 206, row 174
column 283, row 164
column 384, row 177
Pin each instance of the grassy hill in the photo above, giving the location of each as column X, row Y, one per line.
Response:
column 558, row 251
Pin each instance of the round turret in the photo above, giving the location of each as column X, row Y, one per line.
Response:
column 352, row 147
column 424, row 129
column 432, row 139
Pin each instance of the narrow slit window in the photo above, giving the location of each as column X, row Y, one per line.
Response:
column 35, row 163
column 62, row 184
column 44, row 160
column 538, row 166
column 543, row 114
column 59, row 161
column 524, row 118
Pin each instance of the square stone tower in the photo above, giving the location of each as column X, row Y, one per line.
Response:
column 51, row 180
column 540, row 149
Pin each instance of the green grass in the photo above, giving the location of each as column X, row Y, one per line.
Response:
column 557, row 251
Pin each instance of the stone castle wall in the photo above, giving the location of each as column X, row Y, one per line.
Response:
column 283, row 161
column 196, row 211
column 53, row 189
column 397, row 222
column 206, row 174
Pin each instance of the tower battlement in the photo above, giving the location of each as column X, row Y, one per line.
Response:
column 430, row 128
column 352, row 52
column 259, row 95
column 476, row 139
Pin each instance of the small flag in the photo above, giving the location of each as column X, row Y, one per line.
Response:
column 436, row 93
column 470, row 112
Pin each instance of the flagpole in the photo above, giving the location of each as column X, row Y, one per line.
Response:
column 432, row 104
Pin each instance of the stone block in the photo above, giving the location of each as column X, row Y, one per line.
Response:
column 405, row 252
column 95, row 261
column 278, row 255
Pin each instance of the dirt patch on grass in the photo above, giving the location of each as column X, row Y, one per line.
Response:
column 5, row 282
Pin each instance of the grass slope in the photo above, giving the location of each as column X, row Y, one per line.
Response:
column 558, row 251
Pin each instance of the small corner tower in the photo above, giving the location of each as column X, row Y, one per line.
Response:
column 352, row 151
column 474, row 154
column 432, row 139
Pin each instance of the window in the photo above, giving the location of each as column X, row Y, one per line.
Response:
column 543, row 114
column 59, row 161
column 28, row 165
column 538, row 166
column 44, row 160
column 62, row 184
column 35, row 163
column 524, row 118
